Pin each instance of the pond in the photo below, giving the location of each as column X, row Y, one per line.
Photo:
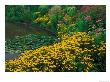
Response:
column 12, row 30
column 22, row 29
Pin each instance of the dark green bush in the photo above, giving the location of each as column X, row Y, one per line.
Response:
column 43, row 9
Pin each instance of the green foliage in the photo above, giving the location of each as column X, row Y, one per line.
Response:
column 54, row 20
column 99, row 61
column 32, row 41
column 18, row 13
column 92, row 13
column 100, row 37
column 98, row 12
column 55, row 15
column 81, row 24
column 55, row 10
column 71, row 11
column 71, row 29
column 43, row 9
column 43, row 24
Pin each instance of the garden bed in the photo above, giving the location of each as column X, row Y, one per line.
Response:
column 59, row 39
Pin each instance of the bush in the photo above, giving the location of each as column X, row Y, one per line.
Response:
column 54, row 20
column 55, row 10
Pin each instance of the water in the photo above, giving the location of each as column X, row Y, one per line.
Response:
column 18, row 29
column 12, row 30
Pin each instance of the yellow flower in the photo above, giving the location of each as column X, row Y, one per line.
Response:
column 61, row 54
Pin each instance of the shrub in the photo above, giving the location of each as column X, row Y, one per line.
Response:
column 100, row 36
column 54, row 20
column 55, row 10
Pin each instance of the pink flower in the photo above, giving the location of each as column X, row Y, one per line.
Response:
column 86, row 8
column 87, row 18
column 98, row 31
column 97, row 21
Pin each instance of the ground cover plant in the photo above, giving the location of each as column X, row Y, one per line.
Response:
column 67, row 38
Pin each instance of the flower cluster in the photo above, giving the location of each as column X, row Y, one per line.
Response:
column 87, row 18
column 42, row 19
column 102, row 48
column 68, row 55
column 67, row 18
